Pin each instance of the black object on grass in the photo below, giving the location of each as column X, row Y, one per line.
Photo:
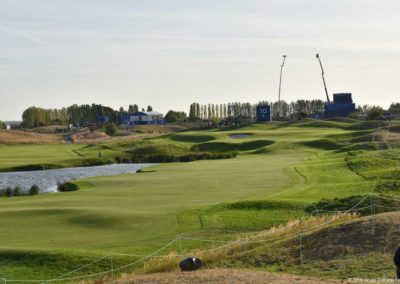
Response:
column 190, row 264
column 396, row 260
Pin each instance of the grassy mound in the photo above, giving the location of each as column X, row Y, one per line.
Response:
column 360, row 248
column 343, row 119
column 191, row 138
column 363, row 202
column 364, row 146
column 324, row 144
column 262, row 205
column 376, row 164
column 340, row 246
column 227, row 147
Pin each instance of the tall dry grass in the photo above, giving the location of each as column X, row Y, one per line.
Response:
column 21, row 137
column 234, row 248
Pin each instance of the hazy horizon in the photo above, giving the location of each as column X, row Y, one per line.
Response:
column 169, row 54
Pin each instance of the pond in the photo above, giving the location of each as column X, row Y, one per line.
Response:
column 47, row 179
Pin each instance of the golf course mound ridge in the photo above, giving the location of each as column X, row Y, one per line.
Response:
column 228, row 147
column 191, row 138
column 324, row 144
column 376, row 233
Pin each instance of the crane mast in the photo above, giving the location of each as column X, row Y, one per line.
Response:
column 323, row 78
column 280, row 78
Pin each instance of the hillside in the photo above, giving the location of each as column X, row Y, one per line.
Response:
column 342, row 246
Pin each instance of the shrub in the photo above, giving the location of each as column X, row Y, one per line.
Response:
column 8, row 192
column 111, row 129
column 2, row 125
column 17, row 191
column 175, row 116
column 34, row 190
column 67, row 186
column 123, row 160
column 375, row 113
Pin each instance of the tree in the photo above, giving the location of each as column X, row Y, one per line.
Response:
column 149, row 108
column 121, row 109
column 375, row 112
column 2, row 125
column 175, row 116
column 34, row 190
column 111, row 129
column 394, row 108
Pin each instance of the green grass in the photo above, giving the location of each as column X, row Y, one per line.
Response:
column 279, row 171
column 26, row 157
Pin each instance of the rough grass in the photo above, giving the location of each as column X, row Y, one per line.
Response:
column 251, row 244
column 340, row 246
column 12, row 137
column 383, row 164
column 228, row 147
column 87, row 136
column 365, row 205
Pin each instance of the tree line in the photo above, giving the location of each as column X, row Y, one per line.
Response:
column 281, row 110
column 237, row 110
column 74, row 114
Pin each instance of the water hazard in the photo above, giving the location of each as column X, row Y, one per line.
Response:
column 47, row 179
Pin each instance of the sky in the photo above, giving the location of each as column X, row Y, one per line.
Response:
column 170, row 53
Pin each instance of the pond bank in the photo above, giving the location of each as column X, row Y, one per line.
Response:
column 47, row 179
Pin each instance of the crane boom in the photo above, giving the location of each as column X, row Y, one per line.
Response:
column 280, row 78
column 323, row 78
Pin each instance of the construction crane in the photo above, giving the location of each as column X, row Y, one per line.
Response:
column 280, row 78
column 323, row 78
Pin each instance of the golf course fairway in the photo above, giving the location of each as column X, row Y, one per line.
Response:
column 137, row 213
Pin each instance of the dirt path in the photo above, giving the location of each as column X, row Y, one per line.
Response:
column 214, row 276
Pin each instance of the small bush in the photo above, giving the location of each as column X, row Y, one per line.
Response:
column 8, row 192
column 34, row 190
column 17, row 191
column 123, row 160
column 67, row 186
column 111, row 129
